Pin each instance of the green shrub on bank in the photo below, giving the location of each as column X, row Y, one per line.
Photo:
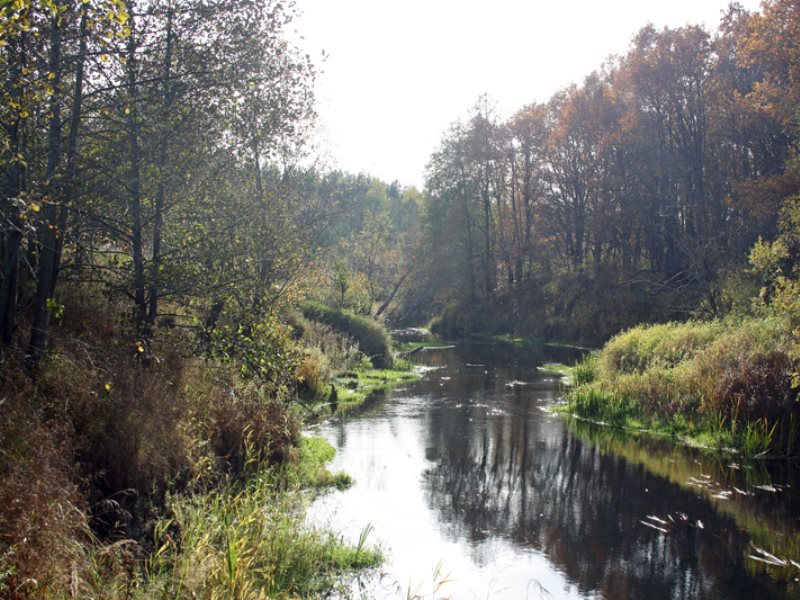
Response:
column 373, row 339
column 736, row 372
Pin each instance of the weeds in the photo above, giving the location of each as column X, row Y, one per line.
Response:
column 149, row 448
column 757, row 438
column 251, row 541
column 585, row 370
column 372, row 337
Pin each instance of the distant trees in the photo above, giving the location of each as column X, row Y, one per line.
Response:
column 655, row 176
column 367, row 251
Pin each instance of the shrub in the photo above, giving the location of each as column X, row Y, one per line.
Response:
column 313, row 374
column 340, row 351
column 372, row 337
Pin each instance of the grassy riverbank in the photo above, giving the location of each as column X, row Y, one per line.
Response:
column 180, row 478
column 245, row 539
column 725, row 383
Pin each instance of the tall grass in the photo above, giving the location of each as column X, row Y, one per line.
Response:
column 178, row 480
column 250, row 542
column 729, row 381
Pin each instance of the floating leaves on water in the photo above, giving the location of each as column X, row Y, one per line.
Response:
column 770, row 559
column 769, row 488
column 656, row 519
column 516, row 383
column 656, row 527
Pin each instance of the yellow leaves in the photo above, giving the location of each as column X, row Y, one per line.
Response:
column 127, row 110
column 107, row 387
column 139, row 347
column 35, row 207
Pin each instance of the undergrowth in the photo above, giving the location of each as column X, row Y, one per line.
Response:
column 178, row 479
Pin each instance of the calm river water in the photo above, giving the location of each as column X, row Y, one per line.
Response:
column 466, row 471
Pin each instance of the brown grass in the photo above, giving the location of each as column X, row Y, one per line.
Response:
column 91, row 447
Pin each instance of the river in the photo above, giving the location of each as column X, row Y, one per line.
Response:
column 476, row 490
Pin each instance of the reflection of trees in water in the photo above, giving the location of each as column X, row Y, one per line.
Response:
column 519, row 476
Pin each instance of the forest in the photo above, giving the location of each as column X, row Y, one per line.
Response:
column 182, row 283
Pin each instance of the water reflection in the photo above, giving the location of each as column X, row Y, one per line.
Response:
column 474, row 468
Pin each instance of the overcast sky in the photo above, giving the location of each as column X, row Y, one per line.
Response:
column 399, row 72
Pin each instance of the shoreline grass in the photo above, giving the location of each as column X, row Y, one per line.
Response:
column 719, row 385
column 245, row 539
column 353, row 388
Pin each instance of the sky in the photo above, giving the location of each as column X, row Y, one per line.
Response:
column 399, row 72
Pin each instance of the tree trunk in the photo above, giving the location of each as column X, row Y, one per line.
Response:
column 48, row 228
column 163, row 159
column 15, row 174
column 135, row 191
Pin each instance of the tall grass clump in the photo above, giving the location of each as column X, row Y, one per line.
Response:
column 250, row 540
column 585, row 371
column 372, row 338
column 650, row 346
column 739, row 372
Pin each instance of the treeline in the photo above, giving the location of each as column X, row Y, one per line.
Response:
column 371, row 243
column 632, row 197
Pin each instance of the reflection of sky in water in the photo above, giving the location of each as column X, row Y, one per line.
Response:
column 464, row 469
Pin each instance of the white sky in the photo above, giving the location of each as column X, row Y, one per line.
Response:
column 399, row 72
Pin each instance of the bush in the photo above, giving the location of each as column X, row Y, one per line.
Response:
column 313, row 375
column 372, row 337
column 340, row 351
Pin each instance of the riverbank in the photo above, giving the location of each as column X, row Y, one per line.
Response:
column 245, row 539
column 720, row 384
column 180, row 477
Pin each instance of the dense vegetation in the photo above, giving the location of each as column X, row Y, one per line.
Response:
column 156, row 228
column 178, row 286
column 730, row 382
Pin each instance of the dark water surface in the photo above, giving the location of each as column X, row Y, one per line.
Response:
column 467, row 470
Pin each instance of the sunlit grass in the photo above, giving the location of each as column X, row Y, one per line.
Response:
column 244, row 540
column 353, row 388
column 722, row 384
